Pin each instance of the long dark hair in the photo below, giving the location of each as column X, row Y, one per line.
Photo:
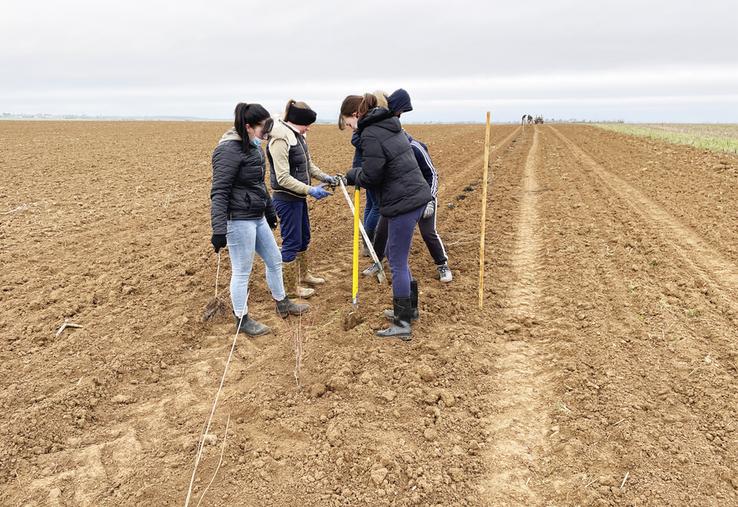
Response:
column 251, row 114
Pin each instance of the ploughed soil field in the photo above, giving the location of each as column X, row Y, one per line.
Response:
column 601, row 371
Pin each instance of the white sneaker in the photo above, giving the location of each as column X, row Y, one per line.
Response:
column 444, row 273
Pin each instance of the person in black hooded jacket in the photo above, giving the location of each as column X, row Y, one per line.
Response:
column 243, row 216
column 389, row 169
column 399, row 103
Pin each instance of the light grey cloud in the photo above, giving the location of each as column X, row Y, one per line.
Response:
column 656, row 60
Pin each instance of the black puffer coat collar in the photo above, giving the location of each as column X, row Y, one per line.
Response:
column 382, row 117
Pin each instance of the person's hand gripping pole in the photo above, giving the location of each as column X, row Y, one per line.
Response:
column 354, row 211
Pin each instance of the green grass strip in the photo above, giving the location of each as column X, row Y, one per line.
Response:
column 723, row 138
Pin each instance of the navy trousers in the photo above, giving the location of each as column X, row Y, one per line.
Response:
column 294, row 227
column 400, row 238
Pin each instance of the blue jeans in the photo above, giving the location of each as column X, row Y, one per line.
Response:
column 244, row 238
column 400, row 238
column 371, row 213
column 294, row 226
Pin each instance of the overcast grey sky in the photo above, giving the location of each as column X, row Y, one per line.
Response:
column 644, row 60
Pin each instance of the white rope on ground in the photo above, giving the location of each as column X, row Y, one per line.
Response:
column 297, row 344
column 220, row 462
column 215, row 404
column 295, row 333
column 22, row 207
column 217, row 274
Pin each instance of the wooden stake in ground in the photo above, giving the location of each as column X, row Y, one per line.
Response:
column 484, row 214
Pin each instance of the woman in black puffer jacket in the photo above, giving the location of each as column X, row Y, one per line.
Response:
column 390, row 171
column 242, row 214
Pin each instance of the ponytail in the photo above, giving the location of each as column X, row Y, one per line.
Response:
column 290, row 103
column 370, row 101
column 239, row 123
column 360, row 105
column 248, row 114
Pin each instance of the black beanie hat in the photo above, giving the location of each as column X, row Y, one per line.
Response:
column 300, row 116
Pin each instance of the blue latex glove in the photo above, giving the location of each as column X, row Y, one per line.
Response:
column 318, row 191
column 331, row 180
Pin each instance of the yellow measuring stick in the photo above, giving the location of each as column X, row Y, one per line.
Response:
column 355, row 284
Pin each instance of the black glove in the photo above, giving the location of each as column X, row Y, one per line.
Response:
column 218, row 241
column 351, row 175
column 271, row 219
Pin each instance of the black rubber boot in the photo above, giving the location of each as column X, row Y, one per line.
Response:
column 251, row 327
column 390, row 314
column 286, row 307
column 400, row 327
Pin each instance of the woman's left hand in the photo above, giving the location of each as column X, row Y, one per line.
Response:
column 351, row 175
column 218, row 241
column 271, row 219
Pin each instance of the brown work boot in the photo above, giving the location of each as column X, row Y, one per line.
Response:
column 291, row 286
column 286, row 307
column 303, row 263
